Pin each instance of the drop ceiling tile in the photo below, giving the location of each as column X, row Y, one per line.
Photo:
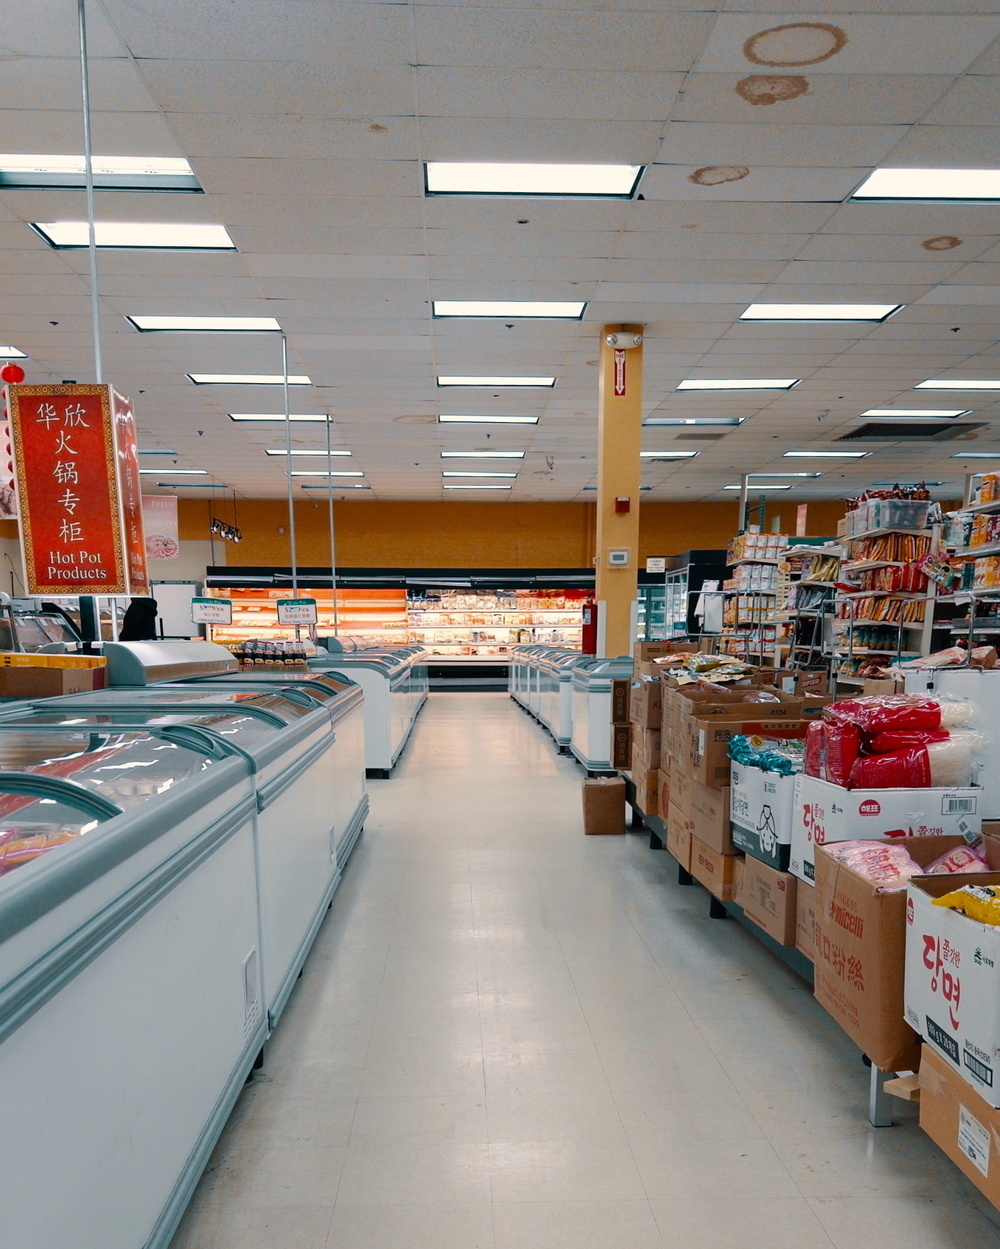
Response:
column 695, row 245
column 765, row 182
column 114, row 85
column 290, row 137
column 516, row 269
column 700, row 271
column 534, row 93
column 679, row 292
column 956, row 296
column 539, row 139
column 459, row 213
column 520, row 242
column 701, row 143
column 903, row 248
column 359, row 177
column 862, row 272
column 318, row 267
column 949, row 147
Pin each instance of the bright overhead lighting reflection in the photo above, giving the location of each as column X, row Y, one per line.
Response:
column 488, row 178
column 322, row 472
column 820, row 312
column 668, row 455
column 977, row 455
column 282, row 451
column 959, row 383
column 196, row 485
column 459, row 473
column 485, row 485
column 137, row 235
column 111, row 173
column 784, row 474
column 482, row 455
column 940, row 414
column 345, row 485
column 11, row 353
column 762, row 485
column 694, row 420
column 313, row 417
column 497, row 382
column 536, row 309
column 826, row 455
column 739, row 383
column 205, row 325
column 177, row 472
column 154, row 451
column 488, row 420
column 250, row 379
column 642, row 488
column 952, row 185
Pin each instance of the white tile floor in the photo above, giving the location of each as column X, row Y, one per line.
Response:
column 510, row 1036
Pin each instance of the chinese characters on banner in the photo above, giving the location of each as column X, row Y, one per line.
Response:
column 78, row 490
column 159, row 518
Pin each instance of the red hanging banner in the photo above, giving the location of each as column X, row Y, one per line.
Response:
column 78, row 490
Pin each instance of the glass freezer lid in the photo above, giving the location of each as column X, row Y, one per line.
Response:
column 192, row 697
column 317, row 684
column 245, row 732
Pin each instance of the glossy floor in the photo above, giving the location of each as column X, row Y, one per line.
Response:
column 509, row 1035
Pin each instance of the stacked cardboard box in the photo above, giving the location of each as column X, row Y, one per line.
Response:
column 604, row 806
column 961, row 1122
column 768, row 898
column 645, row 713
column 761, row 809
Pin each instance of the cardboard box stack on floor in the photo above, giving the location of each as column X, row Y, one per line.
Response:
column 645, row 711
column 961, row 1122
column 604, row 806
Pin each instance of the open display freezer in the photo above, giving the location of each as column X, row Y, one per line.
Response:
column 591, row 682
column 554, row 668
column 394, row 680
column 309, row 791
column 131, row 1006
column 518, row 679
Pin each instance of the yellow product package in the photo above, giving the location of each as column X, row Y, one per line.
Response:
column 978, row 902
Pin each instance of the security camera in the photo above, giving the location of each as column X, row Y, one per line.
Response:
column 624, row 341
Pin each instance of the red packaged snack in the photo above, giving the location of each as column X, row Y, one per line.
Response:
column 843, row 745
column 888, row 711
column 903, row 769
column 814, row 762
column 902, row 739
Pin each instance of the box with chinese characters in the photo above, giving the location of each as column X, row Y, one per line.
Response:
column 952, row 989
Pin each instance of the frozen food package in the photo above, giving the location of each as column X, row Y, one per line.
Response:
column 843, row 745
column 21, row 845
column 961, row 859
column 815, row 760
column 890, row 866
column 978, row 902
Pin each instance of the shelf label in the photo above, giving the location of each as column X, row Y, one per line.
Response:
column 297, row 611
column 217, row 611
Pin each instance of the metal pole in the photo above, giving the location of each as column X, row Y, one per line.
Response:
column 288, row 470
column 744, row 498
column 88, row 171
column 333, row 548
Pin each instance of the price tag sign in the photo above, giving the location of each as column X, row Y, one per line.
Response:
column 297, row 611
column 217, row 611
column 656, row 563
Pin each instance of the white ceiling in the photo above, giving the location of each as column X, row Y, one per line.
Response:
column 307, row 123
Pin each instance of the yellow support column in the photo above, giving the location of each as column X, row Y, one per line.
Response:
column 619, row 435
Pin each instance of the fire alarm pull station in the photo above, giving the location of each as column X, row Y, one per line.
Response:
column 623, row 504
column 618, row 559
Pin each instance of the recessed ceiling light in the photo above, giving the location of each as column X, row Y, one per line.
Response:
column 826, row 455
column 322, row 472
column 820, row 312
column 488, row 420
column 154, row 451
column 761, row 485
column 338, row 485
column 642, row 488
column 177, row 472
column 12, row 353
column 195, row 485
column 784, row 474
column 899, row 481
column 136, row 235
column 482, row 455
column 739, row 383
column 460, row 473
column 495, row 382
column 205, row 325
column 313, row 417
column 110, row 173
column 694, row 420
column 668, row 455
column 931, row 184
column 513, row 309
column 282, row 451
column 250, row 379
column 565, row 181
column 977, row 455
column 939, row 414
column 959, row 383
column 468, row 485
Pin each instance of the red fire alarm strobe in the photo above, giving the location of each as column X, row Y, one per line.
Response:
column 623, row 504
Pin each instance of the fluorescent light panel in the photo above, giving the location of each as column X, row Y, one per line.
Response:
column 978, row 455
column 563, row 181
column 939, row 414
column 948, row 185
column 339, row 485
column 459, row 473
column 250, row 379
column 205, row 325
column 282, row 451
column 177, row 472
column 512, row 309
column 110, row 173
column 322, row 472
column 737, row 383
column 488, row 420
column 136, row 235
column 494, row 382
column 11, row 353
column 694, row 420
column 761, row 485
column 874, row 313
column 312, row 417
column 196, row 485
column 751, row 475
column 482, row 455
column 668, row 455
column 455, row 485
column 826, row 455
column 959, row 383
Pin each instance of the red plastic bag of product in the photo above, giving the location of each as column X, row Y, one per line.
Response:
column 888, row 711
column 901, row 739
column 903, row 769
column 843, row 745
column 814, row 762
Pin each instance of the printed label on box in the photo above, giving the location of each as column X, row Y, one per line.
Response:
column 974, row 1140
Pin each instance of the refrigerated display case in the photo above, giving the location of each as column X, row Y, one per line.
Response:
column 683, row 582
column 379, row 615
column 591, row 681
column 482, row 622
column 555, row 681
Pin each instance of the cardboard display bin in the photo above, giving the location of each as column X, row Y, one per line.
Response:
column 712, row 869
column 958, row 1120
column 805, row 920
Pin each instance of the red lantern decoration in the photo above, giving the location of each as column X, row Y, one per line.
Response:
column 12, row 373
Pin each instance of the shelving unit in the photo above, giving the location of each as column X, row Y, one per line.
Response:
column 755, row 595
column 467, row 623
column 376, row 614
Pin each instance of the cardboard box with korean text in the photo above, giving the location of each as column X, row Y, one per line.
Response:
column 621, row 698
column 604, row 806
column 861, row 951
column 761, row 806
column 708, row 743
column 952, row 986
column 621, row 746
column 805, row 920
column 709, row 809
column 957, row 1119
column 713, row 870
column 768, row 900
column 827, row 812
column 646, row 748
column 646, row 703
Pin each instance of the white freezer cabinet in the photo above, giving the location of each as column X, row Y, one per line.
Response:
column 131, row 1002
column 394, row 680
column 519, row 673
column 591, row 682
column 555, row 668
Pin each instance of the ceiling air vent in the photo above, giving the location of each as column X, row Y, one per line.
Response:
column 911, row 431
column 701, row 437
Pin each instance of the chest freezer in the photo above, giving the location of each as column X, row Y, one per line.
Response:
column 131, row 1005
column 394, row 680
column 302, row 786
column 517, row 673
column 555, row 680
column 591, row 683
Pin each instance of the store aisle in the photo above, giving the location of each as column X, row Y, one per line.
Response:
column 511, row 1035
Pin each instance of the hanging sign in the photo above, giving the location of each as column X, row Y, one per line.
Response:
column 297, row 611
column 620, row 371
column 656, row 563
column 78, row 490
column 159, row 520
column 217, row 611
